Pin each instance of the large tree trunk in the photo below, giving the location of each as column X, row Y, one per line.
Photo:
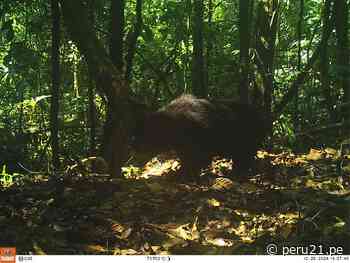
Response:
column 109, row 82
column 198, row 78
column 117, row 33
column 341, row 28
column 55, row 60
column 244, row 44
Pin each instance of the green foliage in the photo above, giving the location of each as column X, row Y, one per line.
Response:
column 222, row 216
column 131, row 171
column 7, row 179
column 162, row 66
column 8, row 31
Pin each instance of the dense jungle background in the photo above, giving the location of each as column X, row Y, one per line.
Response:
column 81, row 82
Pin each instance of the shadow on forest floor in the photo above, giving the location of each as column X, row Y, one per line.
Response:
column 292, row 200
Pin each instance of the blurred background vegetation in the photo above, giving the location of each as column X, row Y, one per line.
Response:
column 256, row 51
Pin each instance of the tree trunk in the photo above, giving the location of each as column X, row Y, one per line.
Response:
column 300, row 33
column 209, row 44
column 91, row 97
column 92, row 118
column 267, row 32
column 324, row 62
column 244, row 42
column 21, row 111
column 110, row 143
column 187, row 44
column 117, row 33
column 109, row 82
column 55, row 60
column 198, row 78
column 341, row 28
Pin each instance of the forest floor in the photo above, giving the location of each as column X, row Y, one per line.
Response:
column 290, row 200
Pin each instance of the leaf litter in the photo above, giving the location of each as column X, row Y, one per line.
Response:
column 287, row 199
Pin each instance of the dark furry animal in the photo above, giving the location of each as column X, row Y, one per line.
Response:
column 198, row 130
